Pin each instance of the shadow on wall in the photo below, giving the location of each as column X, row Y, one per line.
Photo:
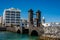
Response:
column 34, row 33
column 18, row 31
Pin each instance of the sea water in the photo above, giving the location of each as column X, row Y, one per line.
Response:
column 16, row 36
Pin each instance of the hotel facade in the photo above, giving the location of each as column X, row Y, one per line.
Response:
column 11, row 16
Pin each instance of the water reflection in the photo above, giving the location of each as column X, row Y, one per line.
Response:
column 16, row 36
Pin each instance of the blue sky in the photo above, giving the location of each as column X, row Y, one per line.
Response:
column 50, row 8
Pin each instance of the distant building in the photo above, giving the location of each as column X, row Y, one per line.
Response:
column 1, row 20
column 43, row 20
column 23, row 23
column 51, row 24
column 11, row 16
column 46, row 24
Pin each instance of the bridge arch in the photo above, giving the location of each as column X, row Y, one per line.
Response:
column 18, row 31
column 34, row 33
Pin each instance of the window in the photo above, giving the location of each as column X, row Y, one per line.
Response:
column 17, row 22
column 12, row 11
column 25, row 24
column 17, row 12
column 7, row 22
column 12, row 22
column 7, row 11
column 7, row 19
column 13, row 14
column 12, row 19
column 7, row 16
column 18, row 17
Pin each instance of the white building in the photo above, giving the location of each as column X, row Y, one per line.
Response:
column 11, row 16
column 1, row 20
column 46, row 24
column 51, row 24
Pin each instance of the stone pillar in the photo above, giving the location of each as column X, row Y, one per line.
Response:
column 30, row 20
column 38, row 18
column 30, row 17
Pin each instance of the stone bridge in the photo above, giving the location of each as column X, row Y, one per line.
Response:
column 31, row 30
column 14, row 29
column 36, row 31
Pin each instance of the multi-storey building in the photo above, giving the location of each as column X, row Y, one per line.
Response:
column 11, row 16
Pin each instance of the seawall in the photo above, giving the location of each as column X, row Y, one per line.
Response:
column 2, row 28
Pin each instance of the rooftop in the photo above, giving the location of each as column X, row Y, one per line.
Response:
column 13, row 9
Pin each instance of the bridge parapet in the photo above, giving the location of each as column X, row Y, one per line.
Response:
column 37, row 29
